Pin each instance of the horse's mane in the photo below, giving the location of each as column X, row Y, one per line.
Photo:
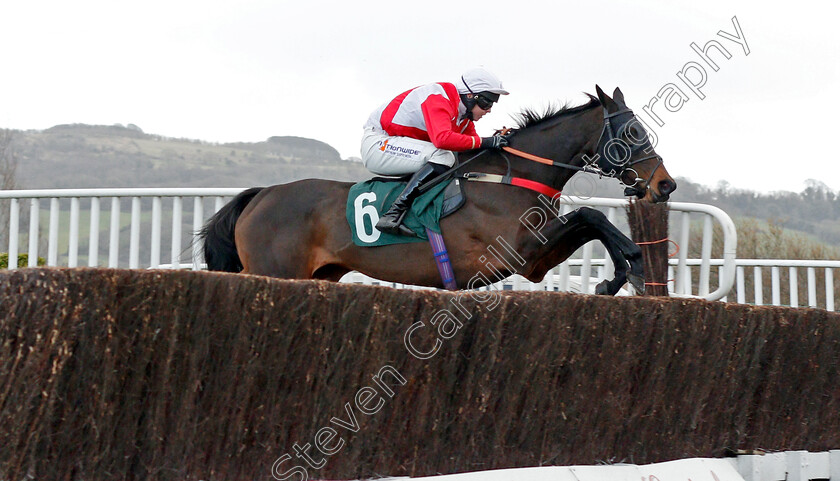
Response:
column 531, row 117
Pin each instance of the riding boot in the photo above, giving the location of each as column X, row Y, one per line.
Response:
column 391, row 221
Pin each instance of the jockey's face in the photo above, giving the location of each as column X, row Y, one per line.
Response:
column 478, row 112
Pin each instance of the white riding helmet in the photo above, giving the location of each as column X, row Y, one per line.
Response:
column 480, row 80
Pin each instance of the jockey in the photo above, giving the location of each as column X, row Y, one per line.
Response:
column 420, row 130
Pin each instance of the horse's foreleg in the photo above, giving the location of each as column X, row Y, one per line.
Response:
column 620, row 248
column 569, row 232
column 620, row 245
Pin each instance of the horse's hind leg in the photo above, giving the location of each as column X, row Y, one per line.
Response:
column 288, row 255
column 330, row 272
column 268, row 248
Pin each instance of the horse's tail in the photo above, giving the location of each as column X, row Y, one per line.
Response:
column 217, row 234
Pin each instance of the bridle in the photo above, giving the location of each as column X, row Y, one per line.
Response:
column 613, row 154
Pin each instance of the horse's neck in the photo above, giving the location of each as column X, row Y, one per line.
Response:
column 564, row 142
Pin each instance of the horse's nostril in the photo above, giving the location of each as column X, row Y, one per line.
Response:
column 667, row 186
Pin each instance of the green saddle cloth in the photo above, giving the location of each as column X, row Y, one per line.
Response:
column 368, row 200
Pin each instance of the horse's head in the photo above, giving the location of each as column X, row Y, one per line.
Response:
column 624, row 151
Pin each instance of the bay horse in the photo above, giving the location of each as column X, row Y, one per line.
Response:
column 299, row 230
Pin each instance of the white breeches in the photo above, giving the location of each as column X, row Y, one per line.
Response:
column 383, row 154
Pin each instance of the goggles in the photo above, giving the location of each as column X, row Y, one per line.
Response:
column 484, row 100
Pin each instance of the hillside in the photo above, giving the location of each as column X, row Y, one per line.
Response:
column 81, row 156
column 815, row 211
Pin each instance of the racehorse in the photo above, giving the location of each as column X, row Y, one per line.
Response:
column 298, row 230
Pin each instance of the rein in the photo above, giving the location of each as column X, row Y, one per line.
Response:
column 597, row 166
column 525, row 155
column 494, row 178
column 440, row 178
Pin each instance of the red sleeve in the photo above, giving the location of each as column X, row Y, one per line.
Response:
column 438, row 114
column 470, row 130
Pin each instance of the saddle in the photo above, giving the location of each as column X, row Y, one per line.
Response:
column 368, row 200
column 453, row 196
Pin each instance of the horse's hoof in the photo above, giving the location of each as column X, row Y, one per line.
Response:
column 638, row 283
column 602, row 288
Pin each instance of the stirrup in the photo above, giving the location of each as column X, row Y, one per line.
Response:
column 397, row 228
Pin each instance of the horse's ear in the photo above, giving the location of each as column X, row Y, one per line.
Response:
column 601, row 95
column 618, row 96
column 606, row 101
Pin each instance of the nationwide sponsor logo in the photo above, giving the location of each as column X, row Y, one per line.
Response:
column 400, row 150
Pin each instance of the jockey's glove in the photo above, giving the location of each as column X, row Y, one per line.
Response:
column 494, row 142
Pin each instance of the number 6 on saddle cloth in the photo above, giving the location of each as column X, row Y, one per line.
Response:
column 367, row 200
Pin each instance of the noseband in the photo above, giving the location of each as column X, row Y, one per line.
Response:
column 613, row 155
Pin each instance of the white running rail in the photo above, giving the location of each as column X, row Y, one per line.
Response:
column 150, row 220
column 94, row 199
